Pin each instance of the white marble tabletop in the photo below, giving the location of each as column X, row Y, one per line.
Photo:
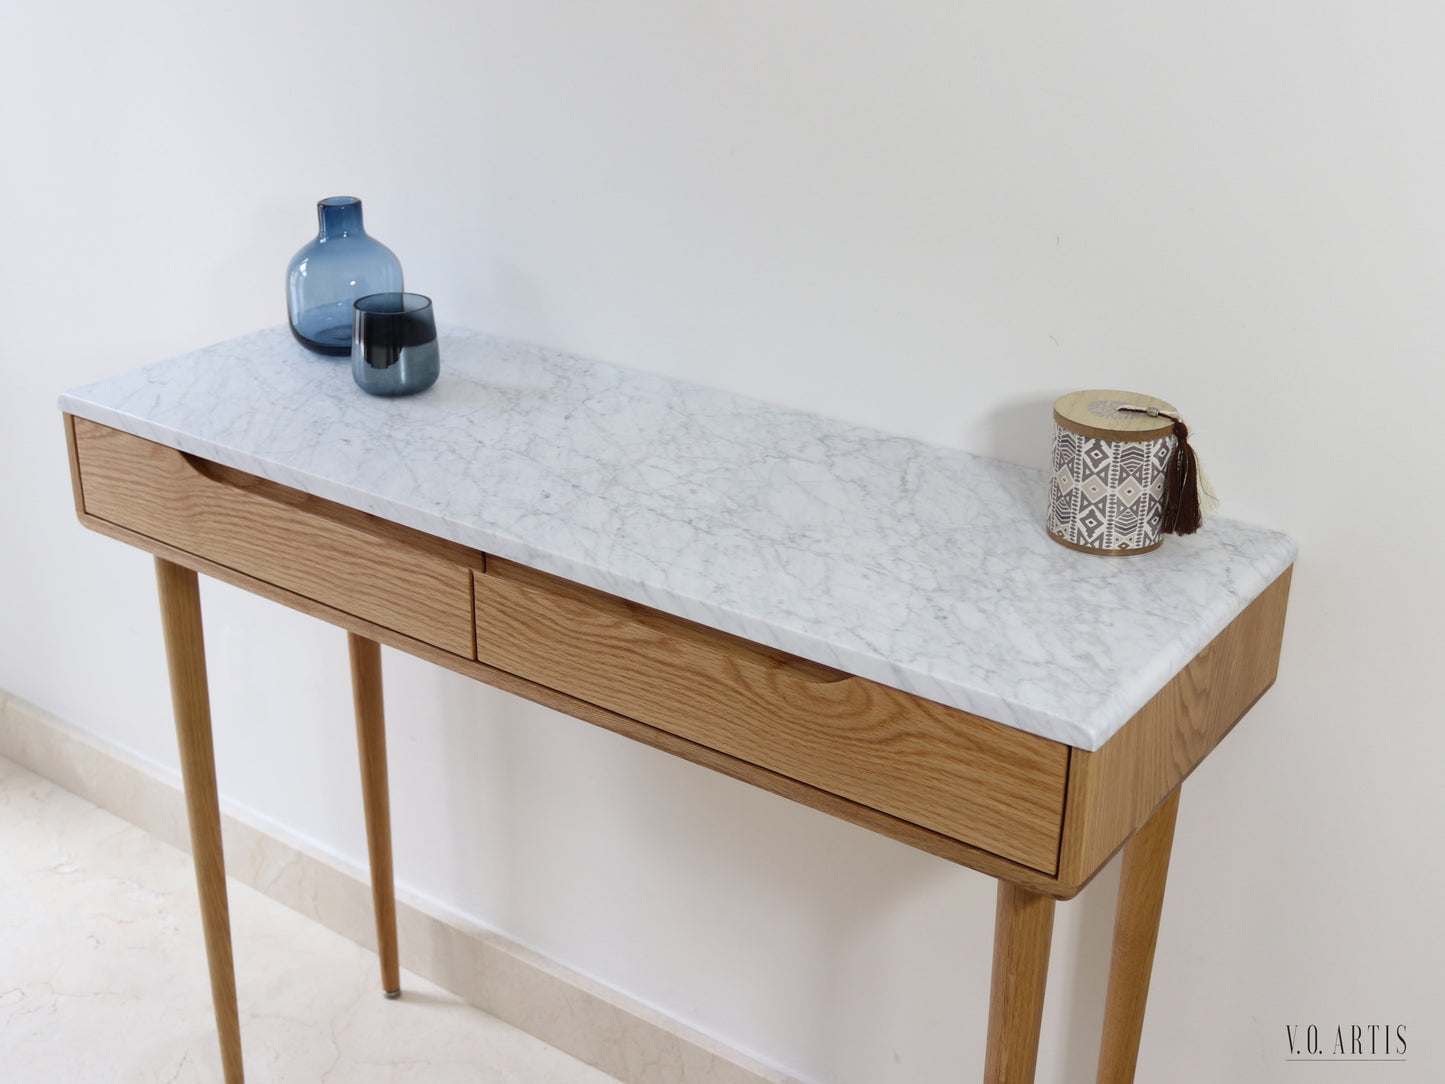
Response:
column 917, row 566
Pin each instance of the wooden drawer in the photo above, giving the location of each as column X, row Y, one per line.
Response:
column 402, row 579
column 974, row 780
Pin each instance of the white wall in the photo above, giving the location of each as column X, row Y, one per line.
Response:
column 930, row 217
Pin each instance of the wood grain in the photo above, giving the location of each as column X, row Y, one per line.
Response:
column 1114, row 790
column 1022, row 935
column 1136, row 932
column 180, row 601
column 935, row 843
column 1072, row 413
column 74, row 465
column 385, row 573
column 989, row 785
column 376, row 799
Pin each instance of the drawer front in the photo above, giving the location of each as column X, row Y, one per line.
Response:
column 333, row 555
column 969, row 778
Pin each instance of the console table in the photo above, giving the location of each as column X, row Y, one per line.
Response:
column 872, row 626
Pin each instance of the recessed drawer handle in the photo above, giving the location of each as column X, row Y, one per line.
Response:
column 741, row 652
column 232, row 478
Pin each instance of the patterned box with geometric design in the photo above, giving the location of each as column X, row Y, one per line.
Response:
column 1106, row 493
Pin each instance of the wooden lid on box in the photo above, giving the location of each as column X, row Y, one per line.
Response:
column 1097, row 414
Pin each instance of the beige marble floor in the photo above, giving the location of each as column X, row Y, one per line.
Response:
column 103, row 974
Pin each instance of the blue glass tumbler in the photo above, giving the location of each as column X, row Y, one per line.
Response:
column 326, row 277
column 394, row 344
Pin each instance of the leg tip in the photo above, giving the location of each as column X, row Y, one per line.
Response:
column 392, row 994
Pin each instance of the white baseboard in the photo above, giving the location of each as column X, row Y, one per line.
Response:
column 574, row 1014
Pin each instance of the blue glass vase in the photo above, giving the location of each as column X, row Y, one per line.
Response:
column 330, row 273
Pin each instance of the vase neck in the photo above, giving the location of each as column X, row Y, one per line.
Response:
column 339, row 216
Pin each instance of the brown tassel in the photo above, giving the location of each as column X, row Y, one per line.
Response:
column 1182, row 513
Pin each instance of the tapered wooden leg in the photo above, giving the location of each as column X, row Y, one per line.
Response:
column 371, row 744
column 180, row 600
column 1023, row 932
column 1136, row 931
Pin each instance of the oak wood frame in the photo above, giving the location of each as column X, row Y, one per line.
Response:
column 375, row 800
column 180, row 600
column 1109, row 793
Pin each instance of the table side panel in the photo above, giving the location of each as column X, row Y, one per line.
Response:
column 275, row 534
column 971, row 779
column 1114, row 790
column 70, row 421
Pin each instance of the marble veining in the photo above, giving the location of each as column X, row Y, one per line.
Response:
column 917, row 566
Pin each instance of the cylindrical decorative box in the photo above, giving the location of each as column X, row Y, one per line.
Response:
column 1110, row 472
